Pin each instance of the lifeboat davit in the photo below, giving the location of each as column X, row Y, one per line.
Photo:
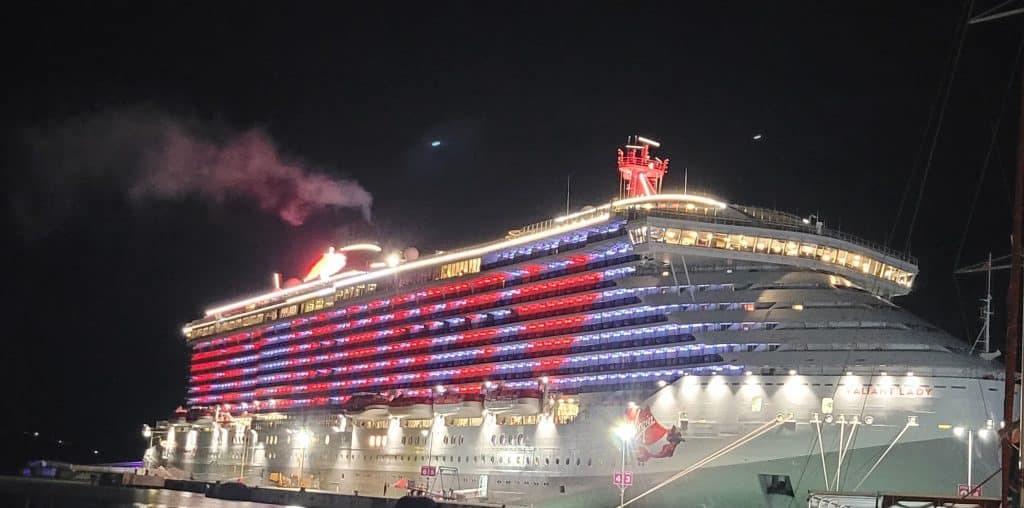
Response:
column 366, row 406
column 416, row 407
column 460, row 405
column 514, row 402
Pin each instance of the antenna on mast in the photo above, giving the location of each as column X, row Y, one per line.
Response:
column 985, row 334
column 567, row 177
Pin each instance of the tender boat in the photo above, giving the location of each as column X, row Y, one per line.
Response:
column 521, row 402
column 419, row 407
column 366, row 406
column 460, row 405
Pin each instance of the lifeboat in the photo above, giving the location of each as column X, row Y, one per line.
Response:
column 514, row 402
column 460, row 405
column 416, row 407
column 366, row 406
column 180, row 415
column 200, row 415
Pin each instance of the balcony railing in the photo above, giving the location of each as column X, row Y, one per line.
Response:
column 771, row 223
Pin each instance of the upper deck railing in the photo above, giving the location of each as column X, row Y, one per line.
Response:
column 756, row 217
column 779, row 225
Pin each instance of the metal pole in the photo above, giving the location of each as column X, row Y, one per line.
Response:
column 622, row 472
column 970, row 458
column 241, row 474
column 302, row 457
column 988, row 305
column 1014, row 307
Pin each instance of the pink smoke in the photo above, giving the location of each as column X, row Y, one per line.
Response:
column 245, row 166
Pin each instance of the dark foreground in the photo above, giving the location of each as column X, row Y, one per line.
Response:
column 18, row 492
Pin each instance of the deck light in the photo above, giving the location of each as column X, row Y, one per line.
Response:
column 393, row 259
column 625, row 431
column 303, row 438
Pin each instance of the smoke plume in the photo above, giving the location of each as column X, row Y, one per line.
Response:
column 149, row 155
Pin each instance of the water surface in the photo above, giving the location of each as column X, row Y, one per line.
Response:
column 34, row 493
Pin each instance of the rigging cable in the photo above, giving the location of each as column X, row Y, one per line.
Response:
column 920, row 150
column 991, row 149
column 981, row 180
column 938, row 126
column 810, row 453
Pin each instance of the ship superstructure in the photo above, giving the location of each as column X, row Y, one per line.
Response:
column 498, row 371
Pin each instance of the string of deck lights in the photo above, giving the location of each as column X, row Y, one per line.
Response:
column 614, row 255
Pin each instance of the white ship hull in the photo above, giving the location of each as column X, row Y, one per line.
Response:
column 573, row 464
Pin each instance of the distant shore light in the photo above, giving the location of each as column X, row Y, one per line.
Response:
column 435, row 143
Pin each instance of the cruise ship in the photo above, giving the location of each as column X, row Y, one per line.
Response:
column 660, row 349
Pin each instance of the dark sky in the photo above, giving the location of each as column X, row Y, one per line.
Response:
column 520, row 94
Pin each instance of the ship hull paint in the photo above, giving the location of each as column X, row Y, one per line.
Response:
column 581, row 457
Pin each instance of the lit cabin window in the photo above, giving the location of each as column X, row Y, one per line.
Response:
column 458, row 268
column 774, row 246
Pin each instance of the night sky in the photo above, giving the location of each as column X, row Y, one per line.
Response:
column 104, row 266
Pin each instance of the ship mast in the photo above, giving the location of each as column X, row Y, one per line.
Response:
column 641, row 174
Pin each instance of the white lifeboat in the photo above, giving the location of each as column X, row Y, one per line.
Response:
column 415, row 407
column 460, row 405
column 514, row 402
column 200, row 415
column 366, row 406
column 180, row 415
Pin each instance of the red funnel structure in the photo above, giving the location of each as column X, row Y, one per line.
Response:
column 641, row 174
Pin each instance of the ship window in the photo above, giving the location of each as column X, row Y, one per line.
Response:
column 776, row 484
column 494, row 439
column 556, row 461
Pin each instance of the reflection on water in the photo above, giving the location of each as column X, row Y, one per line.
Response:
column 32, row 493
